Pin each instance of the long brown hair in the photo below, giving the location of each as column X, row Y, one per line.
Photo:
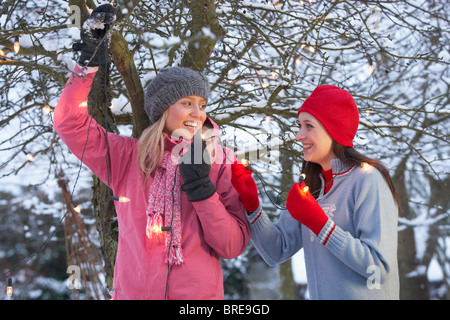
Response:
column 350, row 157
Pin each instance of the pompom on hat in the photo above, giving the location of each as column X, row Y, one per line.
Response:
column 170, row 85
column 336, row 110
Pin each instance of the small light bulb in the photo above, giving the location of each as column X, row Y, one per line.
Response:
column 302, row 177
column 365, row 166
column 305, row 189
column 120, row 198
column 268, row 119
column 77, row 209
column 83, row 104
column 16, row 44
column 124, row 199
column 371, row 69
column 156, row 228
column 247, row 164
column 30, row 157
column 47, row 109
column 9, row 288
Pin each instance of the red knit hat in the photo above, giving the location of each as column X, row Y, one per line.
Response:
column 336, row 110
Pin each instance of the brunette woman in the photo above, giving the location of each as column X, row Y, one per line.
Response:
column 344, row 214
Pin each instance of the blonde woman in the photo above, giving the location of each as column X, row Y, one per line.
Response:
column 182, row 215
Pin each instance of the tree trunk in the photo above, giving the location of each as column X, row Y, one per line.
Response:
column 123, row 60
column 286, row 277
column 438, row 206
column 104, row 210
column 200, row 48
column 411, row 283
column 107, row 226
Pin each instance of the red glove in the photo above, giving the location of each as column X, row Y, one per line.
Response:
column 304, row 208
column 242, row 181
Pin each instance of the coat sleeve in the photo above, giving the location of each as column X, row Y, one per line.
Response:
column 223, row 218
column 374, row 244
column 276, row 242
column 83, row 136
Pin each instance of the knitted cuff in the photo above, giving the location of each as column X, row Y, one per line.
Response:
column 326, row 231
column 252, row 216
column 259, row 222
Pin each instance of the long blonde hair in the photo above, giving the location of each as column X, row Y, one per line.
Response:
column 151, row 147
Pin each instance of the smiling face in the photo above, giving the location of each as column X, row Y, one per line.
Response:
column 315, row 140
column 185, row 117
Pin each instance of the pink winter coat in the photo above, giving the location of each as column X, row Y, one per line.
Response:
column 211, row 229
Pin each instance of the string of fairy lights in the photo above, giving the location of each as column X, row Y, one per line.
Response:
column 11, row 272
column 30, row 157
column 47, row 109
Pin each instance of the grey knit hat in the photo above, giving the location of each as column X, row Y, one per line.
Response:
column 170, row 85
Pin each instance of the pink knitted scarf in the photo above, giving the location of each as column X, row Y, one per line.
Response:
column 164, row 208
